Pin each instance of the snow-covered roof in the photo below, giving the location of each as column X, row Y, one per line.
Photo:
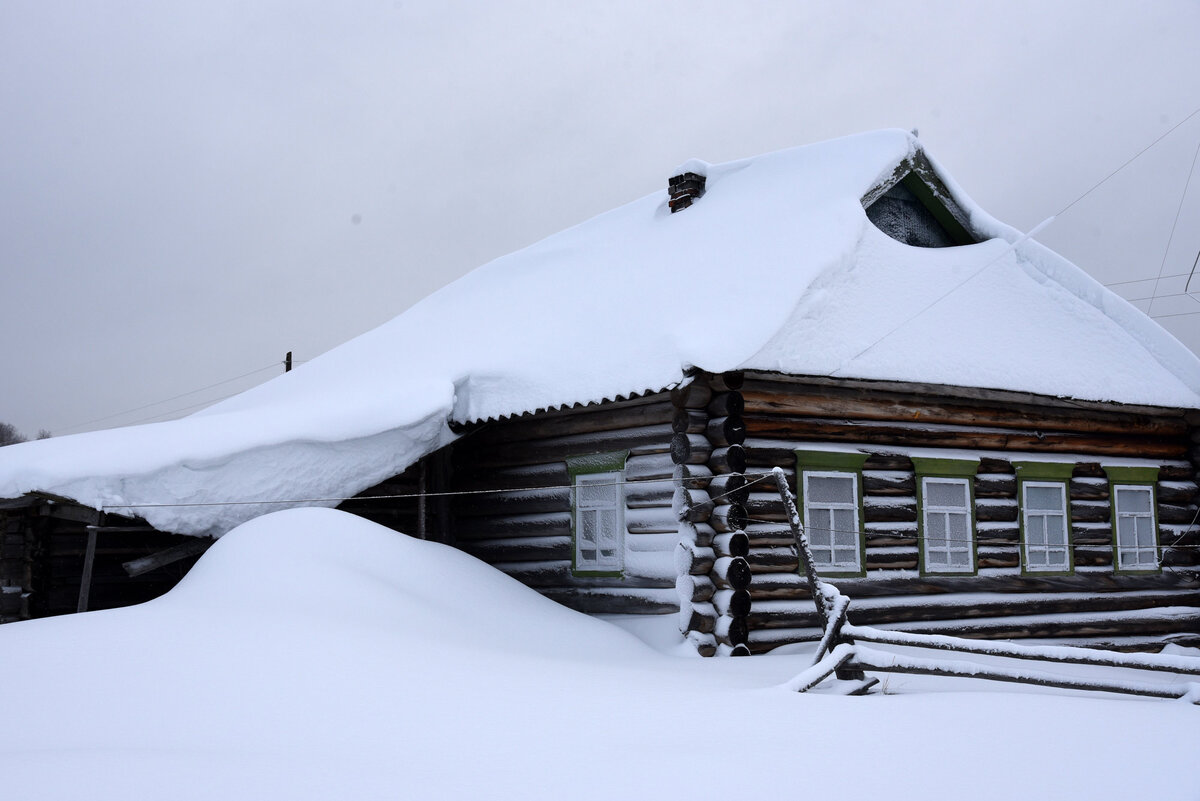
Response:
column 776, row 268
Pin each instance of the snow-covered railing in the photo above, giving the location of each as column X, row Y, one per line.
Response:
column 840, row 653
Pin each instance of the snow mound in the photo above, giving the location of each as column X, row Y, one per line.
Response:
column 314, row 655
column 779, row 251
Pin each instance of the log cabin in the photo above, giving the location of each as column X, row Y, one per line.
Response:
column 981, row 439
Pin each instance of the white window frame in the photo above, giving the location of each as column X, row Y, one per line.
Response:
column 945, row 547
column 1136, row 550
column 1063, row 512
column 614, row 504
column 810, row 506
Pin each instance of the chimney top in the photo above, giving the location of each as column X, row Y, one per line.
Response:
column 685, row 188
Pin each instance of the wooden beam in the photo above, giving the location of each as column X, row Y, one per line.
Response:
column 136, row 567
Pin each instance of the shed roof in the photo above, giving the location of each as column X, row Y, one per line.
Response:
column 776, row 268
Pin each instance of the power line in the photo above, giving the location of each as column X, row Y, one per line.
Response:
column 173, row 397
column 1175, row 222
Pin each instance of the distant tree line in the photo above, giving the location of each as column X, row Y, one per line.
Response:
column 9, row 435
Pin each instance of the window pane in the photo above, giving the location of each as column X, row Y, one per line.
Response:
column 1056, row 557
column 1044, row 498
column 960, row 529
column 1133, row 500
column 1035, row 530
column 1145, row 532
column 936, row 529
column 1126, row 535
column 943, row 493
column 1056, row 532
column 960, row 558
column 597, row 490
column 829, row 489
column 590, row 529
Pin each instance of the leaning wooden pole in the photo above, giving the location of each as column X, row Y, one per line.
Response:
column 806, row 557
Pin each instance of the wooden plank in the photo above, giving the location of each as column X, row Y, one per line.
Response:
column 194, row 546
column 89, row 563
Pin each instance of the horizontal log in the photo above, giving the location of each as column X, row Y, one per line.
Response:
column 781, row 585
column 731, row 459
column 690, row 448
column 692, row 559
column 731, row 630
column 726, row 404
column 535, row 525
column 732, row 603
column 731, row 572
column 898, row 434
column 735, row 543
column 510, row 502
column 541, row 575
column 728, row 488
column 641, row 440
column 1089, row 625
column 693, row 395
column 701, row 618
column 890, row 534
column 766, row 534
column 725, row 431
column 1092, row 556
column 689, row 421
column 521, row 549
column 647, row 466
column 888, row 482
column 644, row 494
column 878, row 509
column 1091, row 534
column 729, row 380
column 550, row 474
column 1177, row 471
column 1090, row 511
column 998, row 510
column 694, row 589
column 995, row 485
column 651, row 520
column 899, row 557
column 1171, row 513
column 732, row 517
column 1089, row 489
column 1178, row 493
column 859, row 404
column 778, row 559
column 998, row 556
column 620, row 601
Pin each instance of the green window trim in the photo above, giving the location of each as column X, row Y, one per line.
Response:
column 590, row 464
column 1119, row 476
column 1046, row 473
column 808, row 461
column 964, row 469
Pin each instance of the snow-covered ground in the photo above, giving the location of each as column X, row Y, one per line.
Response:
column 313, row 654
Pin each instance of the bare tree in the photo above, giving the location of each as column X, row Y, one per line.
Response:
column 9, row 435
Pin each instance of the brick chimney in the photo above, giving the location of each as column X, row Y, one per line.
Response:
column 685, row 188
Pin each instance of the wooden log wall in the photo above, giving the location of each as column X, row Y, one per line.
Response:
column 42, row 561
column 1095, row 603
column 525, row 531
column 712, row 573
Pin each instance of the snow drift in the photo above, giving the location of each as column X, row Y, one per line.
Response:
column 312, row 655
column 779, row 247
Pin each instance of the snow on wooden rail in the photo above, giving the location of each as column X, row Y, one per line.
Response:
column 840, row 653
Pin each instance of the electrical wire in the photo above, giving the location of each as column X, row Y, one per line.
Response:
column 271, row 366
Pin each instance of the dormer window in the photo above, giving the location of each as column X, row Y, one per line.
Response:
column 915, row 208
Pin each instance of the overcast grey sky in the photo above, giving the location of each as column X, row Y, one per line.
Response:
column 190, row 189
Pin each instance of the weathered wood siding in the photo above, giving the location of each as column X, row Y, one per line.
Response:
column 1093, row 604
column 42, row 561
column 525, row 529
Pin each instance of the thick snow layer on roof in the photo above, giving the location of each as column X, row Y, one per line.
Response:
column 776, row 268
